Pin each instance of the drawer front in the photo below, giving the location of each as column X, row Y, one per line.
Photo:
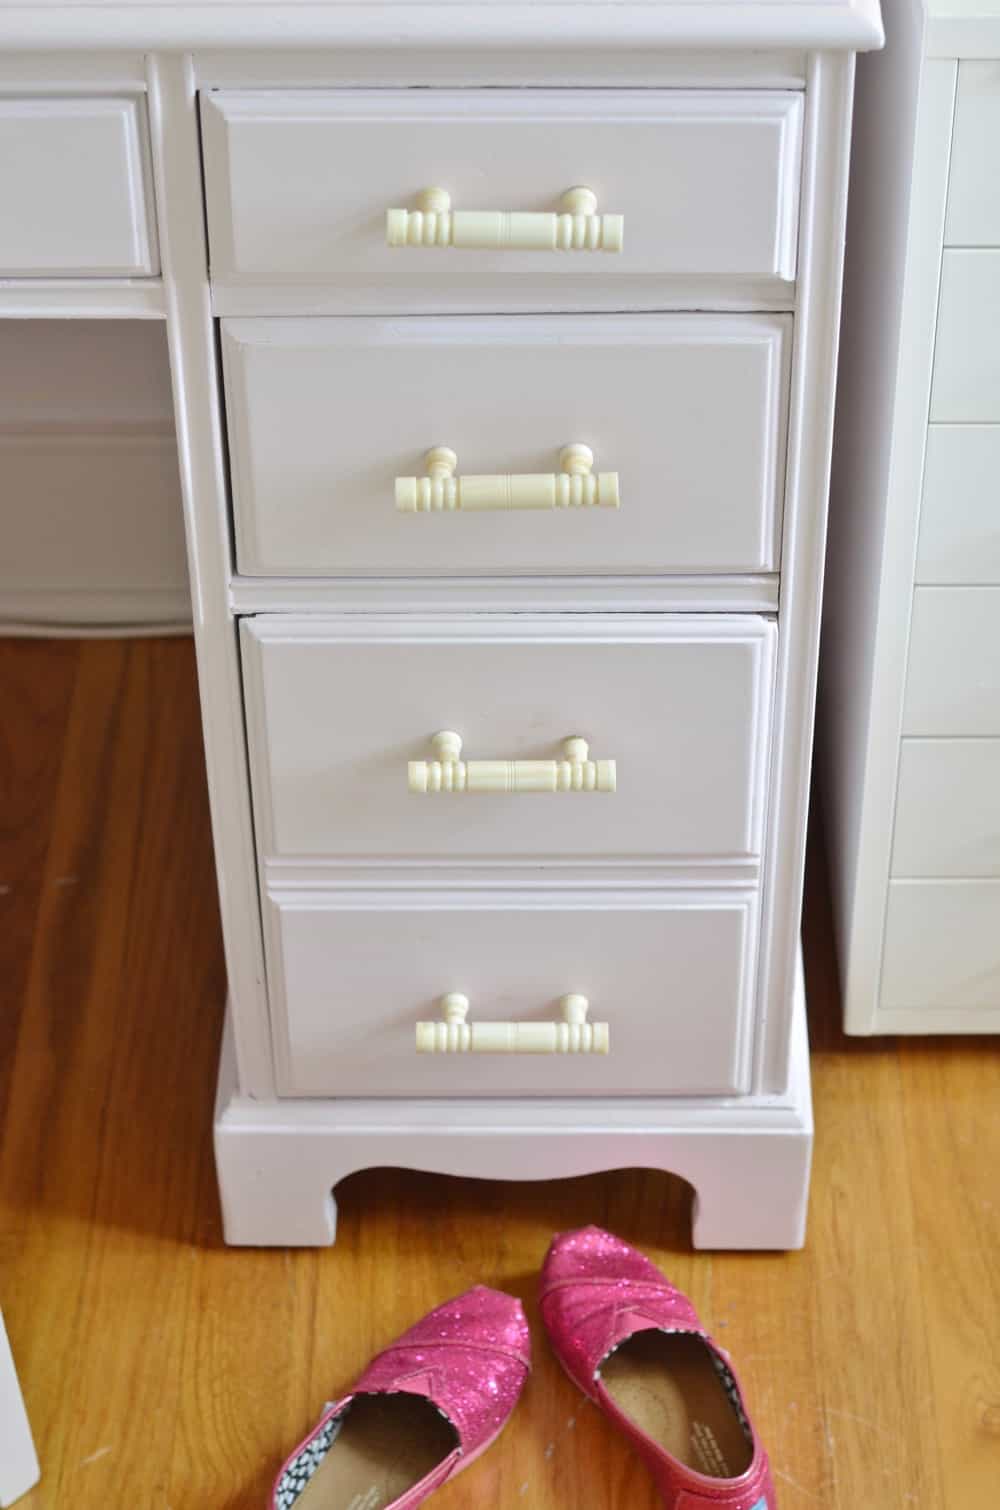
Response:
column 672, row 977
column 948, row 808
column 953, row 680
column 974, row 184
column 966, row 386
column 960, row 510
column 338, row 707
column 299, row 183
column 689, row 410
column 74, row 189
column 942, row 945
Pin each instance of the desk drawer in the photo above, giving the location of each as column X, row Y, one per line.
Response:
column 689, row 410
column 671, row 974
column 338, row 707
column 299, row 184
column 74, row 188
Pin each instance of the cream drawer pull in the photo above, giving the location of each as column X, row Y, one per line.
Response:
column 575, row 772
column 574, row 486
column 453, row 1035
column 576, row 227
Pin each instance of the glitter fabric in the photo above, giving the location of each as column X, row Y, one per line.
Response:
column 470, row 1357
column 597, row 1291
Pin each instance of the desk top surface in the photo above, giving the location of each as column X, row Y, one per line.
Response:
column 587, row 24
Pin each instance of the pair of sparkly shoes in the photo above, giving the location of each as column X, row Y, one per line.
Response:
column 439, row 1397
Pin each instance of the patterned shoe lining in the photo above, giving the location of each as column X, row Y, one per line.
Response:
column 729, row 1385
column 301, row 1469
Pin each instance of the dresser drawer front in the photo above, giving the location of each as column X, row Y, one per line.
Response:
column 338, row 707
column 953, row 674
column 974, row 184
column 966, row 387
column 960, row 508
column 942, row 945
column 672, row 977
column 689, row 410
column 298, row 185
column 948, row 808
column 73, row 189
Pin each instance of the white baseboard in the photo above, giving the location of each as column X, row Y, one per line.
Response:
column 101, row 611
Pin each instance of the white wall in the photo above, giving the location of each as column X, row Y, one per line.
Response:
column 90, row 513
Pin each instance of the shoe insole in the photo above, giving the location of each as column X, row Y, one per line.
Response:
column 387, row 1444
column 668, row 1384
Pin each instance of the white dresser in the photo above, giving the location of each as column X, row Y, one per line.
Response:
column 910, row 703
column 503, row 343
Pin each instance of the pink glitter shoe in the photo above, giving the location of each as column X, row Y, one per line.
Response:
column 421, row 1412
column 634, row 1345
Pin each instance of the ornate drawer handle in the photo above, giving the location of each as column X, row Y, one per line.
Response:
column 575, row 228
column 574, row 486
column 453, row 1035
column 575, row 772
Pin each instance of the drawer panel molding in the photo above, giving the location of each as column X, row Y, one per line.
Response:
column 299, row 182
column 753, row 593
column 329, row 418
column 75, row 188
column 669, row 974
column 337, row 706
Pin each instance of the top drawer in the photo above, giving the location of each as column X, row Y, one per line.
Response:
column 74, row 189
column 974, row 184
column 298, row 185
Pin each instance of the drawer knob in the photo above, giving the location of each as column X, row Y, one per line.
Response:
column 575, row 227
column 574, row 486
column 575, row 772
column 454, row 1035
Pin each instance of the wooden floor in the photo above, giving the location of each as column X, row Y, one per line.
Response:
column 162, row 1370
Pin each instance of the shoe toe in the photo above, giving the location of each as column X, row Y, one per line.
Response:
column 597, row 1290
column 482, row 1317
column 591, row 1253
column 471, row 1357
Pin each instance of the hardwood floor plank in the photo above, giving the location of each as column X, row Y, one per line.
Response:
column 244, row 1372
column 876, row 1370
column 155, row 1169
column 36, row 679
column 808, row 1330
column 164, row 1371
column 951, row 1107
column 52, row 1145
